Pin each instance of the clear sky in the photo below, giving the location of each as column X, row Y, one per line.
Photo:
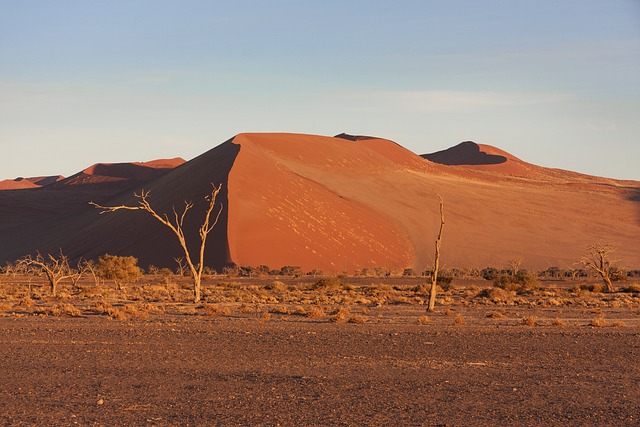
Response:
column 556, row 83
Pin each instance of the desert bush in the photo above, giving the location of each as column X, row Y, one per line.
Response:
column 529, row 321
column 216, row 310
column 26, row 302
column 492, row 294
column 329, row 283
column 445, row 283
column 65, row 309
column 279, row 309
column 316, row 312
column 118, row 268
column 517, row 282
column 458, row 319
column 423, row 320
column 588, row 287
column 341, row 315
column 598, row 322
column 357, row 318
column 117, row 314
column 102, row 307
column 489, row 273
column 277, row 286
column 135, row 311
column 557, row 322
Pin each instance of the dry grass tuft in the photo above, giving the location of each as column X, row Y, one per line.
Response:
column 598, row 322
column 102, row 307
column 358, row 318
column 618, row 324
column 63, row 309
column 280, row 309
column 557, row 322
column 458, row 320
column 529, row 321
column 423, row 320
column 26, row 302
column 117, row 314
column 341, row 315
column 316, row 312
column 216, row 310
column 134, row 311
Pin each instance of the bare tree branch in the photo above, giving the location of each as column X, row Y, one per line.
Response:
column 597, row 260
column 177, row 227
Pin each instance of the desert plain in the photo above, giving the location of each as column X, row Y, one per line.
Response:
column 318, row 352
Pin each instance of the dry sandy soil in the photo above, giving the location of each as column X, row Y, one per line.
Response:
column 251, row 355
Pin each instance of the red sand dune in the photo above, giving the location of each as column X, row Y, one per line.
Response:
column 17, row 184
column 113, row 172
column 345, row 203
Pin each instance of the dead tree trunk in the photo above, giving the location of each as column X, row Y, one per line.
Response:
column 436, row 260
column 176, row 226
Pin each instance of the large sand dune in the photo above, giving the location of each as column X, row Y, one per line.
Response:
column 337, row 204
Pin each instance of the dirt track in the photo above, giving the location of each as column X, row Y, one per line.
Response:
column 227, row 371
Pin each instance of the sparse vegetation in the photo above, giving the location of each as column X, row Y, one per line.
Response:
column 347, row 299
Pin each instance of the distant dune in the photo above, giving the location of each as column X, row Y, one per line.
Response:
column 336, row 204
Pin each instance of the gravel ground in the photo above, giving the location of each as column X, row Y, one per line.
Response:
column 193, row 371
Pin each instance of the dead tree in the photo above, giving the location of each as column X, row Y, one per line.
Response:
column 436, row 260
column 597, row 261
column 514, row 265
column 54, row 268
column 175, row 224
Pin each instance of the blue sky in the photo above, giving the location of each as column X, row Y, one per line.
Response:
column 556, row 83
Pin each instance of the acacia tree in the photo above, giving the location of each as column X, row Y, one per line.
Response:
column 118, row 268
column 54, row 268
column 175, row 224
column 597, row 261
column 436, row 260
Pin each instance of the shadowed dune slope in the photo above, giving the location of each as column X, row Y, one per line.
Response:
column 341, row 204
